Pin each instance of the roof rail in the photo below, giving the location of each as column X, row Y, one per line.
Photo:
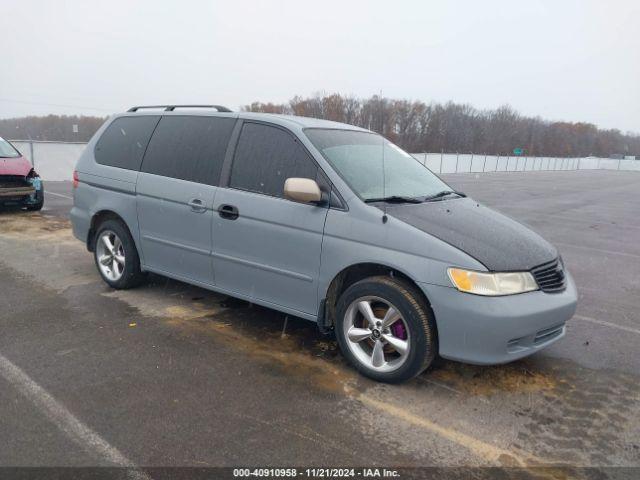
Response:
column 170, row 108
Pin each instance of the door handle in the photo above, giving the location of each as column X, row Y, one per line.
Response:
column 229, row 212
column 197, row 206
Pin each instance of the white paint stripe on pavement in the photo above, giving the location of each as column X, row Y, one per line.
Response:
column 607, row 324
column 58, row 194
column 63, row 418
column 599, row 250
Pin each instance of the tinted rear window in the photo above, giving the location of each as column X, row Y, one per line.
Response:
column 265, row 157
column 189, row 148
column 123, row 143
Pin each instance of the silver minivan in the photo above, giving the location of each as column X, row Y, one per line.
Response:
column 325, row 221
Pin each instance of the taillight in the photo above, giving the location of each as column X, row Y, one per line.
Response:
column 76, row 180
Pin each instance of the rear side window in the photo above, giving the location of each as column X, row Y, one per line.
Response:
column 124, row 141
column 189, row 148
column 265, row 157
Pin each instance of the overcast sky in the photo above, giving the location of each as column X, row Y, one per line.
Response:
column 573, row 60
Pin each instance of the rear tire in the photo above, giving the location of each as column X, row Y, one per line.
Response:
column 116, row 255
column 392, row 339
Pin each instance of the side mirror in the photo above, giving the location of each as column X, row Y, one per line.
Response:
column 302, row 190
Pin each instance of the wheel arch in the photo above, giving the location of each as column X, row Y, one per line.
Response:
column 354, row 273
column 100, row 217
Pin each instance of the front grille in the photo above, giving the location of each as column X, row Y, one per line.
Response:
column 550, row 276
column 541, row 337
column 547, row 334
column 13, row 181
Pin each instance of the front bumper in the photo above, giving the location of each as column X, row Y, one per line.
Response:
column 30, row 193
column 494, row 330
column 16, row 194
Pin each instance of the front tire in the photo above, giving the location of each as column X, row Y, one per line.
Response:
column 116, row 255
column 385, row 329
column 36, row 207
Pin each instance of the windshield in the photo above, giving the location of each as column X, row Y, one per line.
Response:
column 7, row 150
column 358, row 158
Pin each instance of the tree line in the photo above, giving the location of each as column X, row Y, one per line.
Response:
column 453, row 127
column 58, row 128
column 414, row 125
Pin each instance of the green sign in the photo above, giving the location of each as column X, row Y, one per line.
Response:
column 517, row 151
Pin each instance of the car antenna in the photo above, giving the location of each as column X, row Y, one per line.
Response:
column 384, row 184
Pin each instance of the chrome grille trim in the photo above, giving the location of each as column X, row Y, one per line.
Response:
column 550, row 276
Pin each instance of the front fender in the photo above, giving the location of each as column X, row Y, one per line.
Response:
column 360, row 236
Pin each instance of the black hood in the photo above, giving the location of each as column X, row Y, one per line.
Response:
column 495, row 240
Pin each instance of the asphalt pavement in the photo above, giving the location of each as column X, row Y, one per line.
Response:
column 173, row 375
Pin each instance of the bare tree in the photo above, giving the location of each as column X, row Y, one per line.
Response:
column 413, row 125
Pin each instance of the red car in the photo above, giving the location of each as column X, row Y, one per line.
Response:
column 20, row 185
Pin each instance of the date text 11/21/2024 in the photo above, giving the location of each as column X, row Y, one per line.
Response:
column 316, row 473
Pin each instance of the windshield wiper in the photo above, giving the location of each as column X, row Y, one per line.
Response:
column 442, row 194
column 394, row 199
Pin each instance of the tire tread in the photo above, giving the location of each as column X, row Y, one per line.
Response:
column 133, row 275
column 423, row 315
column 417, row 301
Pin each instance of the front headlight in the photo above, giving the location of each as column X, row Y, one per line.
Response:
column 483, row 283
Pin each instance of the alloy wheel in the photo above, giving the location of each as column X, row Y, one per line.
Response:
column 110, row 255
column 377, row 334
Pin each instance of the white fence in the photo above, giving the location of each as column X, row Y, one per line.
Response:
column 52, row 160
column 56, row 161
column 472, row 163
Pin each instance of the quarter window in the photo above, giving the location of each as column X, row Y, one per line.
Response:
column 124, row 141
column 265, row 157
column 189, row 148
